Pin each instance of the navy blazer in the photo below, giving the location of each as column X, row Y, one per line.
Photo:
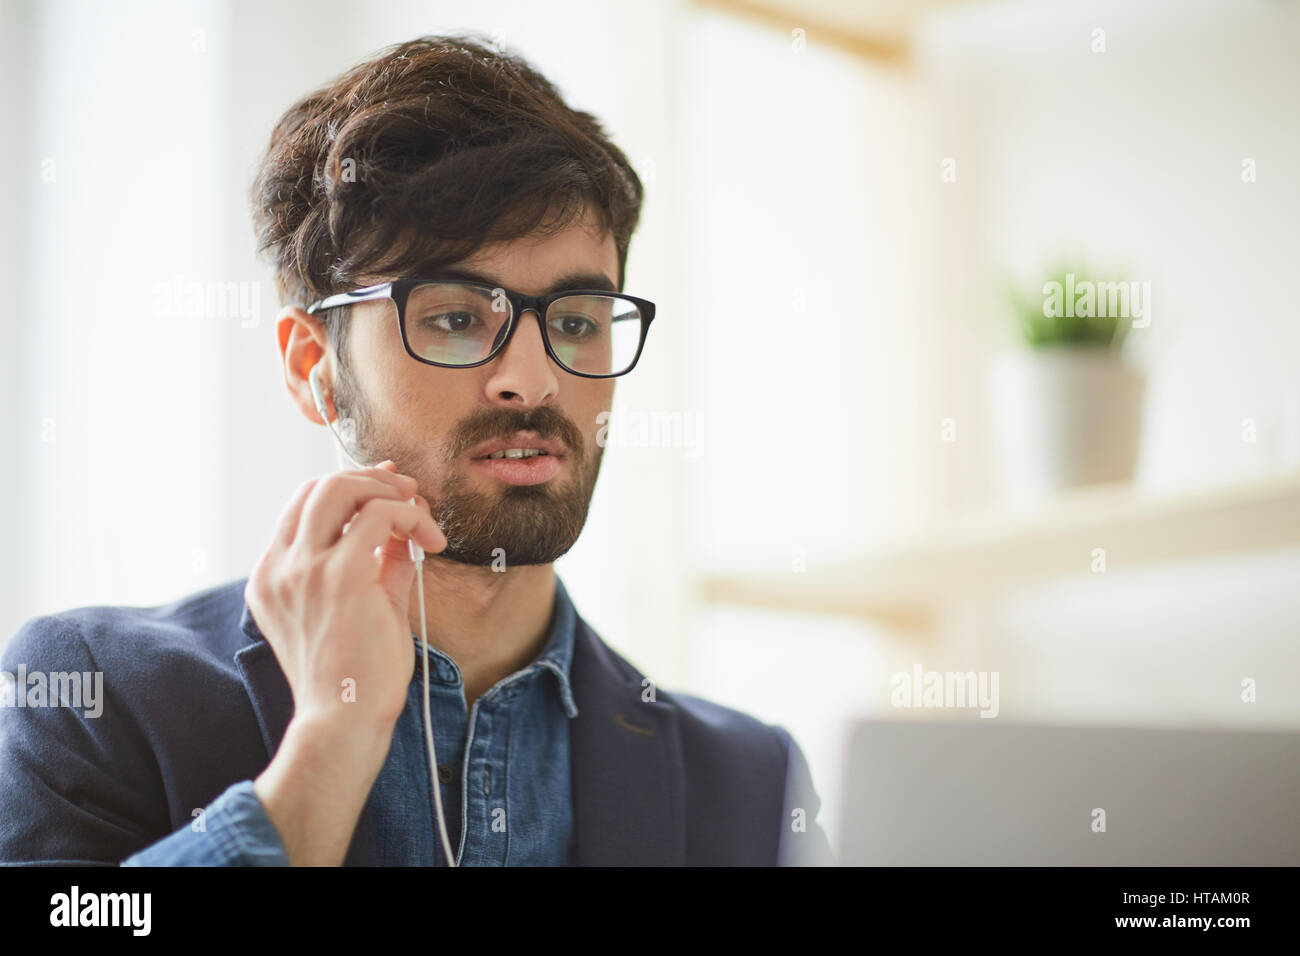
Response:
column 195, row 701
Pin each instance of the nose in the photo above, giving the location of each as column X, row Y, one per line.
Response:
column 522, row 372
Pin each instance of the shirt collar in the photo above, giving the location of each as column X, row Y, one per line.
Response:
column 557, row 655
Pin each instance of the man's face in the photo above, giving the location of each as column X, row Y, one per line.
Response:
column 430, row 421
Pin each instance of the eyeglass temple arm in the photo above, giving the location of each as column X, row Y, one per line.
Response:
column 347, row 298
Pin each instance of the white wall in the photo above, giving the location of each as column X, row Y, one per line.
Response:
column 802, row 262
column 19, row 429
column 115, row 457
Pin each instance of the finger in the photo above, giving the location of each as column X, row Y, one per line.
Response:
column 336, row 499
column 287, row 525
column 396, row 548
column 385, row 471
column 378, row 521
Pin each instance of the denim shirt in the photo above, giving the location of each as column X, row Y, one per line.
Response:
column 503, row 771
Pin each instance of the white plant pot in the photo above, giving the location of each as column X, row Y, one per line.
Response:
column 1062, row 417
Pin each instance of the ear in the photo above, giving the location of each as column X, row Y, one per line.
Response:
column 304, row 344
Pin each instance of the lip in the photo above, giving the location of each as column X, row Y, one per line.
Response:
column 521, row 471
column 518, row 440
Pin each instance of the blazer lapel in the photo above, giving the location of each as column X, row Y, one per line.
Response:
column 265, row 682
column 627, row 770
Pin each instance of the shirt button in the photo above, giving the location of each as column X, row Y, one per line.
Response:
column 446, row 773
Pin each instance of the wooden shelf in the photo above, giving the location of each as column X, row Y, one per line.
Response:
column 993, row 552
column 878, row 31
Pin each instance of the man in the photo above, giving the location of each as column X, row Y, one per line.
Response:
column 460, row 235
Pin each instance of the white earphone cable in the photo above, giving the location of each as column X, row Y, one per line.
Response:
column 417, row 555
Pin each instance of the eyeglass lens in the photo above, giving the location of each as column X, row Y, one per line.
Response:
column 456, row 324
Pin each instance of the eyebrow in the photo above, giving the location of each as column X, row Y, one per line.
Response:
column 576, row 280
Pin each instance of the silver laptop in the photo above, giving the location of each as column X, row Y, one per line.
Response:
column 989, row 793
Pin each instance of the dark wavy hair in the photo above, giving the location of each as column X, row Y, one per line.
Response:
column 415, row 158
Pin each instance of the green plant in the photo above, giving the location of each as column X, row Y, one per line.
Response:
column 1064, row 310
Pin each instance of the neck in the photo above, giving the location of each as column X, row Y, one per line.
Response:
column 491, row 623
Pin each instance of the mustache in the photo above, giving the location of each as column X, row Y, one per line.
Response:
column 496, row 423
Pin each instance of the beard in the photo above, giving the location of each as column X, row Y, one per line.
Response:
column 508, row 525
column 520, row 524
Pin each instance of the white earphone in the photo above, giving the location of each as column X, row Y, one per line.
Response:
column 417, row 555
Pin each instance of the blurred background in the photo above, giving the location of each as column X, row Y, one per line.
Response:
column 854, row 446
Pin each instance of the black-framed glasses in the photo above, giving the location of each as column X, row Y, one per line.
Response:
column 453, row 323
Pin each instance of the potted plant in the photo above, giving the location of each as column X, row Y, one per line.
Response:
column 1066, row 405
